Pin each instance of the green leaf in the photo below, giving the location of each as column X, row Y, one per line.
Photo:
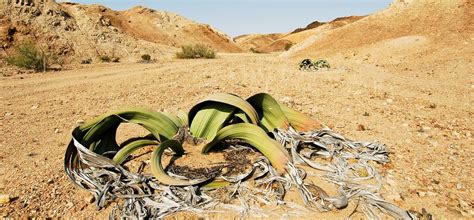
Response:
column 228, row 99
column 103, row 128
column 174, row 118
column 183, row 118
column 157, row 168
column 255, row 136
column 300, row 121
column 241, row 116
column 128, row 149
column 210, row 119
column 269, row 111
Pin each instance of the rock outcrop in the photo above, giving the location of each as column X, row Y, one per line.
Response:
column 75, row 32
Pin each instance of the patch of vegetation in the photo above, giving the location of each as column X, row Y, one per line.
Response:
column 196, row 51
column 105, row 59
column 308, row 64
column 29, row 56
column 108, row 59
column 322, row 64
column 146, row 58
column 288, row 46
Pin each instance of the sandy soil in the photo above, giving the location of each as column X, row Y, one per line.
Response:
column 425, row 117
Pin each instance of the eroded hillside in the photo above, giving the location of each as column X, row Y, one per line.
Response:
column 75, row 32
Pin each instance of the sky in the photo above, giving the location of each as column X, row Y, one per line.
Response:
column 236, row 17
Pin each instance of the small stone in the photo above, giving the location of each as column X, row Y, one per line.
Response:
column 431, row 194
column 421, row 194
column 361, row 127
column 4, row 198
column 225, row 170
column 458, row 186
column 456, row 134
column 8, row 113
column 34, row 107
column 463, row 204
column 80, row 122
column 50, row 181
column 69, row 205
column 89, row 199
column 286, row 99
column 57, row 131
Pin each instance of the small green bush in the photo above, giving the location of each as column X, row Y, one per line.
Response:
column 322, row 64
column 288, row 46
column 29, row 56
column 196, row 51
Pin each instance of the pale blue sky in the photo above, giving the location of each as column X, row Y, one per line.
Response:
column 236, row 17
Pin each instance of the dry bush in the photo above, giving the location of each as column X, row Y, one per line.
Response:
column 29, row 56
column 108, row 59
column 196, row 51
column 146, row 58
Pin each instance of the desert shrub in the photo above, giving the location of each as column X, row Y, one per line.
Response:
column 29, row 56
column 288, row 46
column 86, row 61
column 308, row 64
column 105, row 59
column 146, row 58
column 322, row 64
column 108, row 59
column 196, row 51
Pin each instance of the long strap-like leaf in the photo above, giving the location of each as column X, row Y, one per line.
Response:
column 269, row 111
column 300, row 121
column 128, row 149
column 159, row 172
column 256, row 137
column 210, row 119
column 104, row 127
column 228, row 99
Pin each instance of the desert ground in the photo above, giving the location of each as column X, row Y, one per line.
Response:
column 425, row 118
column 402, row 76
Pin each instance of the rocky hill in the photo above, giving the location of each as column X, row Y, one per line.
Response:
column 75, row 32
column 268, row 43
column 256, row 41
column 408, row 28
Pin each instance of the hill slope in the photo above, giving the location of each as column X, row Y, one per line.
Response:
column 280, row 42
column 75, row 32
column 315, row 28
column 255, row 41
column 406, row 28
